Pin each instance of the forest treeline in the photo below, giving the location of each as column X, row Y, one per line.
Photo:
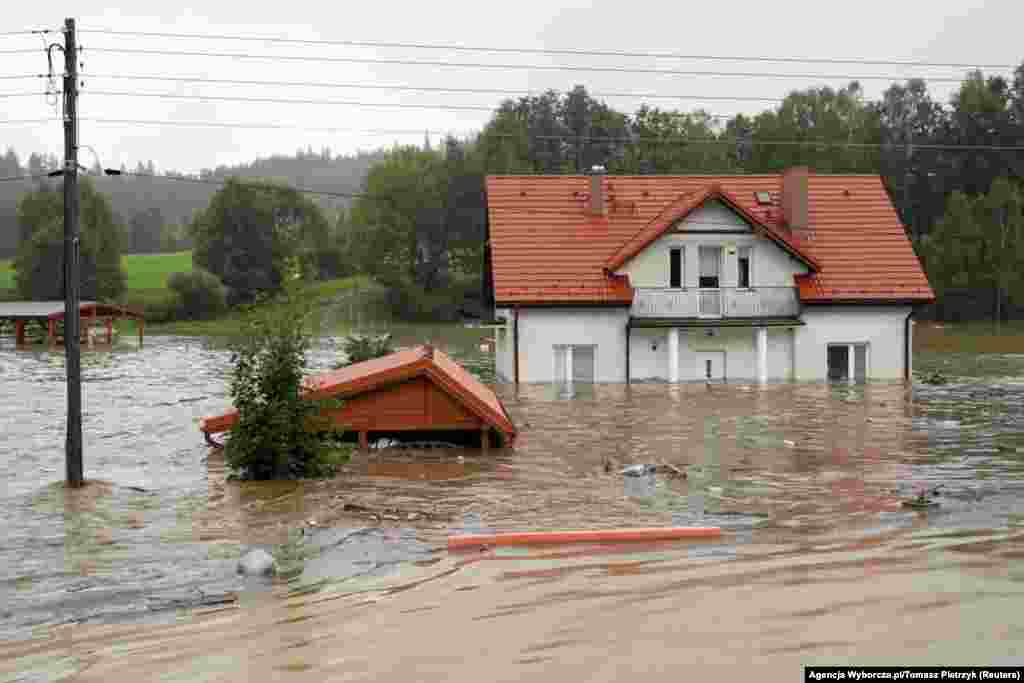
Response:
column 954, row 171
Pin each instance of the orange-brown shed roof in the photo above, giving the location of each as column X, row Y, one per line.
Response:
column 421, row 361
column 547, row 248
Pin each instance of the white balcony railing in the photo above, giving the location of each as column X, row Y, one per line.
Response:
column 761, row 302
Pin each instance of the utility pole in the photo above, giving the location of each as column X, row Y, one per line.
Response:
column 73, row 444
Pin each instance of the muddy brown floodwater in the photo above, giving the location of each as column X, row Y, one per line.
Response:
column 133, row 577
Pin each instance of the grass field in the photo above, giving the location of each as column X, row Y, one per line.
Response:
column 230, row 324
column 143, row 271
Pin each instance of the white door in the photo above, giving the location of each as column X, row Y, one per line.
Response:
column 710, row 365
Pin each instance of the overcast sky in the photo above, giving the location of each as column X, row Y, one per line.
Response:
column 962, row 31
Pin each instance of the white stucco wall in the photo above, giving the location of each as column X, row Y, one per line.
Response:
column 881, row 327
column 503, row 365
column 738, row 344
column 800, row 353
column 771, row 266
column 540, row 329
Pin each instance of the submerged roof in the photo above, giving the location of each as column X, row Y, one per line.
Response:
column 55, row 309
column 421, row 361
column 547, row 248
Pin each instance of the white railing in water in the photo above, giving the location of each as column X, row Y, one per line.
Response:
column 727, row 302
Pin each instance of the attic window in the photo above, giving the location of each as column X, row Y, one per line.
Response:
column 763, row 198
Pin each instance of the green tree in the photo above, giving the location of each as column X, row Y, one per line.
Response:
column 1004, row 208
column 674, row 142
column 978, row 245
column 39, row 264
column 145, row 230
column 279, row 433
column 198, row 294
column 359, row 348
column 817, row 119
column 253, row 231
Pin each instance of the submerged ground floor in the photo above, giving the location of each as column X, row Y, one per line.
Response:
column 852, row 342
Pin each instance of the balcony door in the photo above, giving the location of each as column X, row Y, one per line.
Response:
column 710, row 281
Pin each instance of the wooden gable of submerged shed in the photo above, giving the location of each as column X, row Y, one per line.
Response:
column 411, row 390
column 414, row 404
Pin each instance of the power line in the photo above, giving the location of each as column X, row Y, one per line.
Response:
column 22, row 122
column 221, row 183
column 258, row 126
column 30, row 32
column 28, row 176
column 584, row 138
column 551, row 51
column 15, row 77
column 22, row 51
column 527, row 67
column 352, row 195
column 346, row 103
column 417, row 88
column 275, row 100
column 20, row 94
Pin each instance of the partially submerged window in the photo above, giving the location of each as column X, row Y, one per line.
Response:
column 675, row 268
column 847, row 361
column 574, row 363
column 743, row 267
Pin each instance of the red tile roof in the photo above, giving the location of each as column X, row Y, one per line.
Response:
column 389, row 370
column 546, row 248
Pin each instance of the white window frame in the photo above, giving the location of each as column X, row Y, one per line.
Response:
column 749, row 249
column 569, row 353
column 721, row 264
column 851, row 359
column 682, row 267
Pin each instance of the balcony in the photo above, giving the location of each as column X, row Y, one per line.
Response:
column 727, row 302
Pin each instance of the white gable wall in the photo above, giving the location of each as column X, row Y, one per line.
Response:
column 772, row 266
column 541, row 329
column 881, row 327
column 503, row 360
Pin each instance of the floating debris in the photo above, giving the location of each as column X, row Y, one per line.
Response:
column 257, row 562
column 920, row 503
column 934, row 377
column 638, row 470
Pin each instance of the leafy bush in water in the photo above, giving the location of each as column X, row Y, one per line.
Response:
column 200, row 294
column 272, row 438
column 359, row 348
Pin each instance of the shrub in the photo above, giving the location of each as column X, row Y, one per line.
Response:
column 199, row 294
column 271, row 440
column 333, row 262
column 359, row 348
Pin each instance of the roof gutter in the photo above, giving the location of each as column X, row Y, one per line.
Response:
column 515, row 342
column 629, row 328
column 907, row 351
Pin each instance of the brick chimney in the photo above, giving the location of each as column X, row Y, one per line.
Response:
column 597, row 198
column 795, row 201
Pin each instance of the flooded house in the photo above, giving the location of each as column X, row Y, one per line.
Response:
column 792, row 276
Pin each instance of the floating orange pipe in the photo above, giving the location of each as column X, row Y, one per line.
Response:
column 595, row 535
